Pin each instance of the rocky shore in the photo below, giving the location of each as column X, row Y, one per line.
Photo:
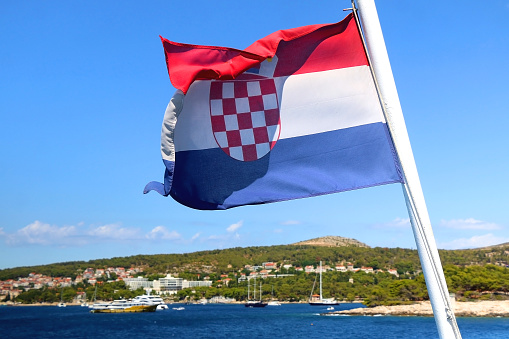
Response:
column 461, row 309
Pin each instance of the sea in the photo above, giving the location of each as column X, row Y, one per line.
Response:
column 228, row 321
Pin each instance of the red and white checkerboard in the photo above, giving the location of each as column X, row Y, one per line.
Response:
column 245, row 117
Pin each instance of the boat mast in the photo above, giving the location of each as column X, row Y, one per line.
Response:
column 320, row 280
column 414, row 197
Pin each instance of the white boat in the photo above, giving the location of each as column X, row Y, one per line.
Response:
column 61, row 304
column 273, row 302
column 123, row 306
column 141, row 303
column 149, row 299
column 317, row 299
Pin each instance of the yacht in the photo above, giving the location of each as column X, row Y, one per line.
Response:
column 152, row 299
column 141, row 303
column 122, row 306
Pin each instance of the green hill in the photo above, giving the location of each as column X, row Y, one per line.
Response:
column 299, row 254
column 472, row 274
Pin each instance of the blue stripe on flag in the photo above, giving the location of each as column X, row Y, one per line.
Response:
column 298, row 167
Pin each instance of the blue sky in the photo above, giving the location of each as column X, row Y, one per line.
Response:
column 83, row 91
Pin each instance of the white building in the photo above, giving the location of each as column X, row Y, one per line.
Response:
column 188, row 284
column 168, row 285
column 135, row 283
column 341, row 268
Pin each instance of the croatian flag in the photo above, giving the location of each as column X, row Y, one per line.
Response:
column 294, row 115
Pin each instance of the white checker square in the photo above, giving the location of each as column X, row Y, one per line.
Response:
column 236, row 153
column 253, row 88
column 216, row 107
column 269, row 101
column 258, row 119
column 262, row 149
column 231, row 122
column 273, row 132
column 228, row 90
column 242, row 105
column 247, row 137
column 221, row 138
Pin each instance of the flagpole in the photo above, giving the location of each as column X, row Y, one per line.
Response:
column 412, row 190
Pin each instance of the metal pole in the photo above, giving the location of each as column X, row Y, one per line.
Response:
column 421, row 225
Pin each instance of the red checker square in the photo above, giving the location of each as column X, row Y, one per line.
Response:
column 268, row 86
column 272, row 117
column 240, row 89
column 233, row 138
column 244, row 120
column 229, row 106
column 218, row 124
column 249, row 152
column 260, row 135
column 256, row 103
column 216, row 90
column 226, row 150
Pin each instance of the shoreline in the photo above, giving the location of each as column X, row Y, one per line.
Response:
column 487, row 309
column 423, row 309
column 10, row 304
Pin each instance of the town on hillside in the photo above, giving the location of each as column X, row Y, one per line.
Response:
column 167, row 285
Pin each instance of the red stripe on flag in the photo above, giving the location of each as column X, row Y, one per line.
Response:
column 300, row 50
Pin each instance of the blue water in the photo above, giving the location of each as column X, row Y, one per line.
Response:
column 228, row 321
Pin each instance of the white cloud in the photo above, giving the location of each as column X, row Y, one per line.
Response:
column 42, row 234
column 469, row 224
column 395, row 224
column 234, row 227
column 115, row 232
column 196, row 236
column 39, row 233
column 290, row 222
column 161, row 232
column 473, row 242
column 278, row 230
column 400, row 222
column 227, row 239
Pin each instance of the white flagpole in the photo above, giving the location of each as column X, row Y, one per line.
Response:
column 421, row 225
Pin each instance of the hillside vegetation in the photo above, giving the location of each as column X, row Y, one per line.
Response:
column 471, row 274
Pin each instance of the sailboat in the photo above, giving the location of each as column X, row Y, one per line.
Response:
column 273, row 302
column 254, row 302
column 317, row 299
column 84, row 303
column 61, row 303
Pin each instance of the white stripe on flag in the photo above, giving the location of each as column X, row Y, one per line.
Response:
column 309, row 103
